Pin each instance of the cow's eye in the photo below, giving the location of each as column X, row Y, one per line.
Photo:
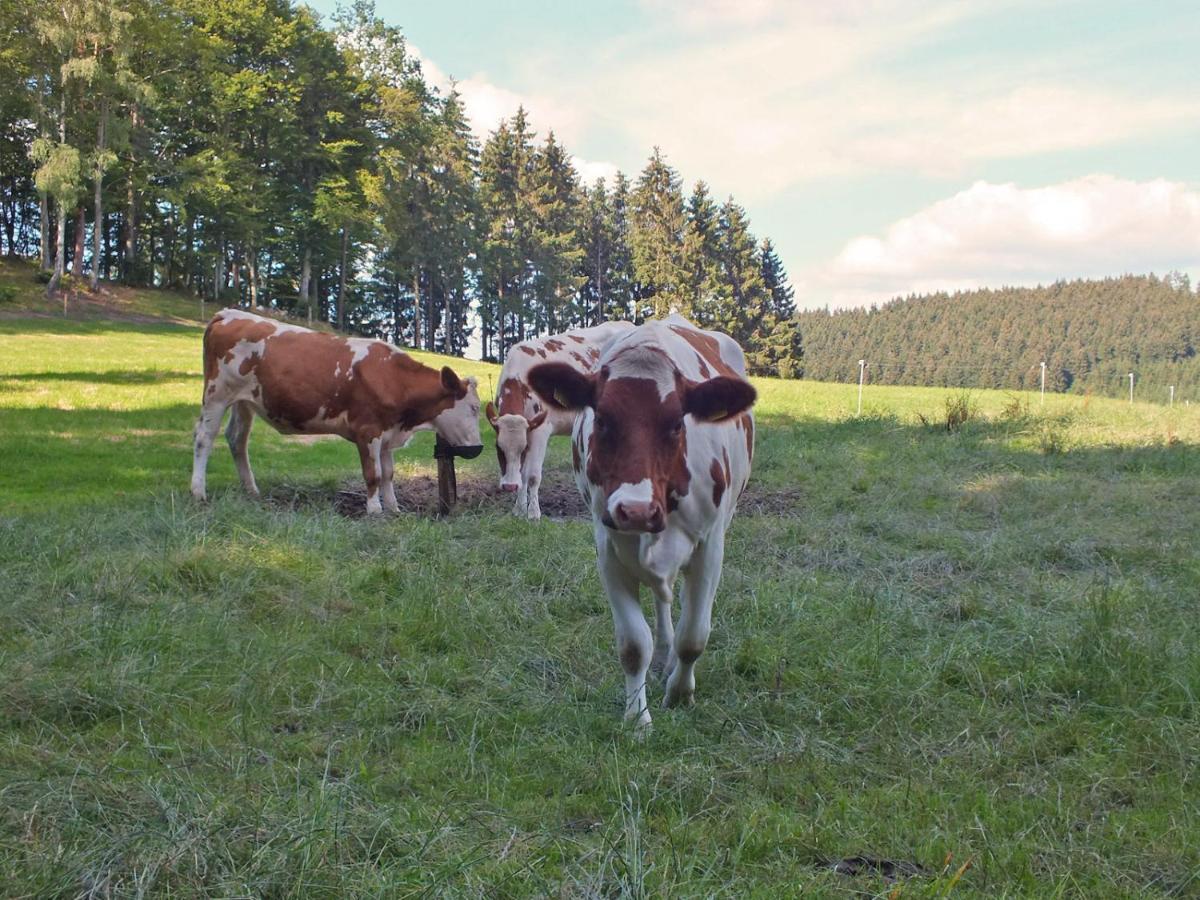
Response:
column 676, row 429
column 602, row 426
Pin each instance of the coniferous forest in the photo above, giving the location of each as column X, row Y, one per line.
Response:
column 1090, row 333
column 247, row 152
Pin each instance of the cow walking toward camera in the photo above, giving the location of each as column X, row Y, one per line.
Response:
column 661, row 450
column 310, row 382
column 523, row 426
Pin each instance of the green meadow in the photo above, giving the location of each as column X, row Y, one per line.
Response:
column 969, row 655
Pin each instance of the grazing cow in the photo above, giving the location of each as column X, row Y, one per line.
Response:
column 523, row 427
column 661, row 452
column 309, row 382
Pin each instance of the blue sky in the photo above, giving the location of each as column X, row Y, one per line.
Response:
column 886, row 147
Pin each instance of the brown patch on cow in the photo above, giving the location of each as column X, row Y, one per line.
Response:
column 514, row 395
column 581, row 359
column 638, row 443
column 306, row 384
column 593, row 354
column 704, row 370
column 249, row 364
column 746, row 422
column 541, row 352
column 719, row 481
column 631, row 657
column 708, row 349
column 554, row 345
column 525, row 349
column 576, row 338
column 575, row 460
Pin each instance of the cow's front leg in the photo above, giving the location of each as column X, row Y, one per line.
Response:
column 387, row 475
column 701, row 576
column 369, row 450
column 531, row 469
column 632, row 633
column 664, row 629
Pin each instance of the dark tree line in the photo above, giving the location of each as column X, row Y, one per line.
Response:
column 1090, row 334
column 244, row 151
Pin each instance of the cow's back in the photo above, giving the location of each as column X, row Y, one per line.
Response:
column 580, row 348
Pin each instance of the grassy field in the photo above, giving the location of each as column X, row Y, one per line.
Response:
column 931, row 648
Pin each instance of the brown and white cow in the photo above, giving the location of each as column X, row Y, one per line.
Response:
column 661, row 452
column 523, row 427
column 309, row 382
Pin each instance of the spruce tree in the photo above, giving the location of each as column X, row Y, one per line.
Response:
column 658, row 223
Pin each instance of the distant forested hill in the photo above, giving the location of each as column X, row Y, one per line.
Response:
column 1091, row 334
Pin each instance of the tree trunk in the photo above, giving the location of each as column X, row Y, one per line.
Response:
column 80, row 241
column 47, row 262
column 341, row 298
column 416, row 326
column 305, row 278
column 98, row 201
column 60, row 256
column 252, row 276
column 129, row 272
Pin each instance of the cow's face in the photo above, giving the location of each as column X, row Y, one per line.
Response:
column 637, row 448
column 512, row 440
column 458, row 425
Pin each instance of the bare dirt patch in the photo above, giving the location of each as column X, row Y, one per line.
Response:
column 558, row 497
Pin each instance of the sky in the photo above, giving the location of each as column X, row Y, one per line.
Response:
column 886, row 147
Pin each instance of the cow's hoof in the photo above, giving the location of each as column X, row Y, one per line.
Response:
column 642, row 729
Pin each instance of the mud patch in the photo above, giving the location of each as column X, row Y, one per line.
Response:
column 558, row 497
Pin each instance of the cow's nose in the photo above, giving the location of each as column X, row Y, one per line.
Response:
column 508, row 488
column 639, row 516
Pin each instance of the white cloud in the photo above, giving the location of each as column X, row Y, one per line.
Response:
column 993, row 234
column 589, row 171
column 487, row 104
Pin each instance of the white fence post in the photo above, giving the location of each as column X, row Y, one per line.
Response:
column 1130, row 387
column 1171, row 402
column 1043, row 383
column 862, row 368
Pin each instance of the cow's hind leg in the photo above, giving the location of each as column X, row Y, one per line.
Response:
column 369, row 453
column 700, row 579
column 205, row 436
column 634, row 644
column 237, row 433
column 387, row 464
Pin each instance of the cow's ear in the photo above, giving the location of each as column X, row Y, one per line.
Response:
column 452, row 383
column 538, row 418
column 490, row 412
column 718, row 399
column 562, row 386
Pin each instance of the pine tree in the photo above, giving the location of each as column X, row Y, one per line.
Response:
column 782, row 304
column 656, row 238
column 556, row 251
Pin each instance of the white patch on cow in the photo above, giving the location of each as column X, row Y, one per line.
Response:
column 241, row 314
column 459, row 425
column 645, row 362
column 360, row 347
column 512, row 437
column 642, row 492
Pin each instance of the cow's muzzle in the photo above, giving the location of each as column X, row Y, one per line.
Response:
column 634, row 516
column 444, row 450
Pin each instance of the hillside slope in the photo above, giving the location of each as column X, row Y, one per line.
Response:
column 1091, row 334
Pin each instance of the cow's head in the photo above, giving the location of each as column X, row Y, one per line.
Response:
column 641, row 406
column 458, row 424
column 512, row 439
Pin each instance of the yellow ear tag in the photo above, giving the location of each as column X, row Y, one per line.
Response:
column 560, row 399
column 717, row 417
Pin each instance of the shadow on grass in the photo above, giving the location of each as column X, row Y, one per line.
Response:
column 814, row 466
column 113, row 376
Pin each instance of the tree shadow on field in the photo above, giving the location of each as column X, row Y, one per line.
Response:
column 113, row 376
column 879, row 470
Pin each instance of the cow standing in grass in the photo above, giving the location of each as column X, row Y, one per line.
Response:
column 661, row 451
column 523, row 427
column 309, row 382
